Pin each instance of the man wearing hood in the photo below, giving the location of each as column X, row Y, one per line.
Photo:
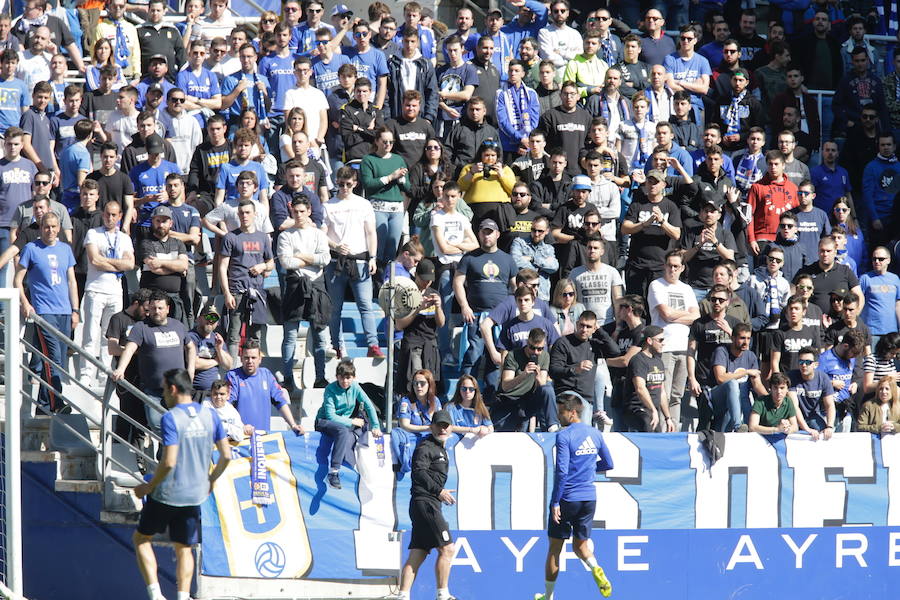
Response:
column 879, row 189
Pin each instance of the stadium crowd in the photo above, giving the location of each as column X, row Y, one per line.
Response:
column 664, row 225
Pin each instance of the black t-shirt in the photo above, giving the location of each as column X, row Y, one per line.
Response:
column 424, row 326
column 81, row 222
column 567, row 131
column 649, row 246
column 700, row 267
column 529, row 169
column 113, row 187
column 160, row 348
column 120, row 325
column 519, row 228
column 570, row 217
column 28, row 233
column 709, row 336
column 651, row 370
column 790, row 342
column 167, row 250
column 839, row 279
column 624, row 338
column 835, row 332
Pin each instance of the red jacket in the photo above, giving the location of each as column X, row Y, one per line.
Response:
column 768, row 200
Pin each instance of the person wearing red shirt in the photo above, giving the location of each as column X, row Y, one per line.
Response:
column 769, row 197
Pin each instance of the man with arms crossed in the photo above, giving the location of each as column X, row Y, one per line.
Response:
column 574, row 496
column 181, row 483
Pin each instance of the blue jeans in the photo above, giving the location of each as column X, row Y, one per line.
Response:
column 445, row 289
column 289, row 342
column 474, row 353
column 362, row 289
column 513, row 414
column 700, row 293
column 601, row 378
column 343, row 438
column 56, row 352
column 154, row 417
column 731, row 405
column 389, row 227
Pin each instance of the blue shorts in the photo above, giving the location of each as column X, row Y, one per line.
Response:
column 576, row 520
column 183, row 522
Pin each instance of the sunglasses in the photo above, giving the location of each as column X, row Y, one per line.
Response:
column 211, row 318
column 322, row 42
column 521, row 194
column 568, row 294
column 718, row 300
column 788, row 225
column 269, row 21
column 879, row 258
column 177, row 100
column 841, row 210
column 775, row 260
column 314, row 11
column 804, row 193
column 360, row 34
column 805, row 362
column 420, row 383
column 345, row 184
column 432, row 147
column 591, row 223
column 41, row 182
column 687, row 39
column 538, row 230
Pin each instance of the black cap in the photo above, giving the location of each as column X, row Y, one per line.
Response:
column 154, row 144
column 650, row 331
column 442, row 417
column 425, row 270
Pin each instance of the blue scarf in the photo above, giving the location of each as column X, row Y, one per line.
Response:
column 122, row 51
column 260, row 485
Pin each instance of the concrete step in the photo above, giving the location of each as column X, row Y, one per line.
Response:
column 79, row 468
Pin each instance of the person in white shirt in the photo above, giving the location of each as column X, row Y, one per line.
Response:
column 311, row 100
column 558, row 42
column 218, row 22
column 182, row 129
column 110, row 254
column 229, row 416
column 673, row 306
column 597, row 284
column 303, row 253
column 636, row 137
column 122, row 124
column 34, row 63
column 350, row 225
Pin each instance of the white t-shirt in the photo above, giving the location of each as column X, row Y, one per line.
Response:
column 122, row 128
column 453, row 230
column 594, row 289
column 312, row 101
column 346, row 219
column 111, row 245
column 677, row 296
column 228, row 212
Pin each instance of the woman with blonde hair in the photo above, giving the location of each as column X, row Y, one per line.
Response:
column 566, row 307
column 882, row 413
column 467, row 409
column 295, row 121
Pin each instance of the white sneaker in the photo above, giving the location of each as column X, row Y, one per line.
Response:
column 603, row 418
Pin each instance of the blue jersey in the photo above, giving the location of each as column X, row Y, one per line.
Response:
column 303, row 37
column 838, row 369
column 688, row 70
column 62, row 130
column 47, row 277
column 145, row 84
column 228, row 175
column 426, row 40
column 371, row 65
column 280, row 73
column 415, row 411
column 73, row 159
column 14, row 98
column 251, row 97
column 580, row 453
column 149, row 180
column 252, row 394
column 881, row 293
column 326, row 74
column 194, row 429
column 466, row 417
column 204, row 86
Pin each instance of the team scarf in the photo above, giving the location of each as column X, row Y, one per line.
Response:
column 516, row 100
column 731, row 117
column 122, row 51
column 260, row 485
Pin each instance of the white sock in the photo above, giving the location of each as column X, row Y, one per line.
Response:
column 591, row 562
column 443, row 594
column 403, row 595
column 184, row 596
column 548, row 589
column 153, row 591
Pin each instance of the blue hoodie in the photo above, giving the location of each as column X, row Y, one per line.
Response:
column 877, row 179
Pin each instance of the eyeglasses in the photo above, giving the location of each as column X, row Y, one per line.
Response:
column 841, row 209
column 592, row 223
column 537, row 348
column 41, row 182
column 805, row 362
column 879, row 258
column 420, row 383
column 718, row 300
column 211, row 318
column 804, row 193
column 345, row 184
column 176, row 100
column 568, row 294
column 521, row 194
column 466, row 388
column 775, row 260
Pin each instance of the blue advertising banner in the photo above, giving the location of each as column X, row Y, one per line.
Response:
column 773, row 513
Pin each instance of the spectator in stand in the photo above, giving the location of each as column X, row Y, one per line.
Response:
column 882, row 414
column 771, row 79
column 858, row 88
column 164, row 260
column 812, row 395
column 565, row 308
column 35, row 123
column 829, row 276
column 487, row 184
column 673, row 306
column 843, row 217
column 181, row 128
column 418, row 346
column 350, row 225
column 655, row 44
column 370, row 62
column 812, row 222
column 384, row 40
column 343, row 399
column 878, row 195
column 456, row 80
column 411, row 131
column 384, row 178
column 15, row 92
column 597, row 284
column 203, row 95
column 768, row 198
column 359, row 122
column 881, row 289
column 311, row 99
column 750, row 162
column 110, row 254
column 212, row 353
column 157, row 78
column 739, row 113
column 796, row 96
column 525, row 390
column 551, row 190
column 635, row 72
column 410, row 70
column 156, row 37
column 47, row 267
column 705, row 245
column 838, row 363
column 136, row 151
column 517, row 110
column 303, row 253
column 588, row 69
column 123, row 37
column 75, row 163
column 685, row 130
column 160, row 344
column 735, row 372
column 794, row 169
column 567, row 125
column 796, row 255
column 253, row 388
column 775, row 412
column 414, row 414
column 17, row 174
column 120, row 325
column 122, row 123
column 114, row 184
column 573, row 364
column 536, row 253
column 830, row 180
column 654, row 226
column 881, row 362
column 228, row 414
column 149, row 176
column 847, row 320
column 689, row 71
column 206, row 161
column 645, row 396
column 467, row 408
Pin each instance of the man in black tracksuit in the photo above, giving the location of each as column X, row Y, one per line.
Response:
column 429, row 528
column 208, row 158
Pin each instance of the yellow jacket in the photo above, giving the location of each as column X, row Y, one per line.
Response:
column 586, row 73
column 494, row 188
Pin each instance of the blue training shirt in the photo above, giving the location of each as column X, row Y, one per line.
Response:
column 251, row 395
column 194, row 429
column 577, row 449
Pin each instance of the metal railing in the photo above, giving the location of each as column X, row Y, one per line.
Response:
column 108, row 410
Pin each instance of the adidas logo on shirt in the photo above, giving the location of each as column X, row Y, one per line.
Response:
column 586, row 447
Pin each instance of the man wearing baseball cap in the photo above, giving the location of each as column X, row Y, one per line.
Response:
column 156, row 78
column 570, row 216
column 158, row 270
column 654, row 224
column 430, row 529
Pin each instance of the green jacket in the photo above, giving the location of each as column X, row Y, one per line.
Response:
column 339, row 405
column 373, row 168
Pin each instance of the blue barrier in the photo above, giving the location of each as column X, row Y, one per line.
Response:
column 773, row 512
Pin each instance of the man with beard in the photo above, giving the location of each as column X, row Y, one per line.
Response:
column 705, row 245
column 567, row 125
column 212, row 353
column 164, row 260
column 160, row 344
